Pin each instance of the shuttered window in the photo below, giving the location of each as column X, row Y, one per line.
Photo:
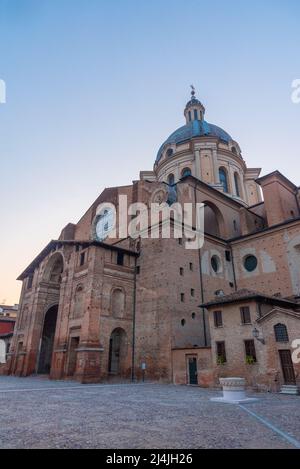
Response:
column 245, row 315
column 218, row 320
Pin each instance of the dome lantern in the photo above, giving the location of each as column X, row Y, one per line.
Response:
column 194, row 109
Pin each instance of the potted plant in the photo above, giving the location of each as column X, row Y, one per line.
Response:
column 250, row 360
column 221, row 360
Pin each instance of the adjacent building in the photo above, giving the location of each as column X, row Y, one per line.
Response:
column 8, row 315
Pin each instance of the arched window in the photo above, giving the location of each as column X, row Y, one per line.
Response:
column 186, row 172
column 223, row 179
column 78, row 302
column 237, row 184
column 233, row 149
column 171, row 179
column 281, row 334
column 195, row 114
column 55, row 275
column 215, row 263
column 118, row 302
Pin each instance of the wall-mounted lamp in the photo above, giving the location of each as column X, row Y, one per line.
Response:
column 256, row 336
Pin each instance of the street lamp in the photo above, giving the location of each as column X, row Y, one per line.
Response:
column 256, row 336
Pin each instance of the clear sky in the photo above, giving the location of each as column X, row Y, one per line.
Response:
column 95, row 86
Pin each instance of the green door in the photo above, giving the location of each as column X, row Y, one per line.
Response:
column 193, row 376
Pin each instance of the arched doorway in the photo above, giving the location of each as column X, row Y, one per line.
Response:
column 117, row 351
column 47, row 341
column 52, row 278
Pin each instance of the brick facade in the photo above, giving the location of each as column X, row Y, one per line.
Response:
column 91, row 309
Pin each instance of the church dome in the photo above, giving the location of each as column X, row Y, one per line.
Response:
column 206, row 152
column 195, row 128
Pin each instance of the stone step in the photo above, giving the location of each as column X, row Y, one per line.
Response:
column 289, row 389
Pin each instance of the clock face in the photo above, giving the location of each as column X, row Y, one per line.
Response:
column 104, row 224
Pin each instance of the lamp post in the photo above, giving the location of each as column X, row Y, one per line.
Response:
column 256, row 335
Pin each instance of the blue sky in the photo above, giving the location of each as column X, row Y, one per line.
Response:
column 94, row 87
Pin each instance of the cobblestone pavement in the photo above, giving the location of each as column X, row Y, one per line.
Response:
column 38, row 413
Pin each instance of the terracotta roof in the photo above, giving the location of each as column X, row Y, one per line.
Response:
column 9, row 308
column 55, row 244
column 6, row 335
column 245, row 294
column 7, row 319
column 278, row 174
column 294, row 314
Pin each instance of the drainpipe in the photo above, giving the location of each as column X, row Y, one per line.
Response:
column 202, row 297
column 233, row 269
column 133, row 323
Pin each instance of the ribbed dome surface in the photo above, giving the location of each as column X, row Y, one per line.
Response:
column 193, row 129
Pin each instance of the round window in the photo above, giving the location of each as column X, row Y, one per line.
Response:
column 250, row 263
column 215, row 263
column 169, row 152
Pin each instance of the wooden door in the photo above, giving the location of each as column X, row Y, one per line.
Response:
column 193, row 372
column 287, row 367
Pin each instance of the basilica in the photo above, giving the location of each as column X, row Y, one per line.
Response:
column 96, row 308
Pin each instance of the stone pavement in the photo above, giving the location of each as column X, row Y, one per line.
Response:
column 39, row 413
